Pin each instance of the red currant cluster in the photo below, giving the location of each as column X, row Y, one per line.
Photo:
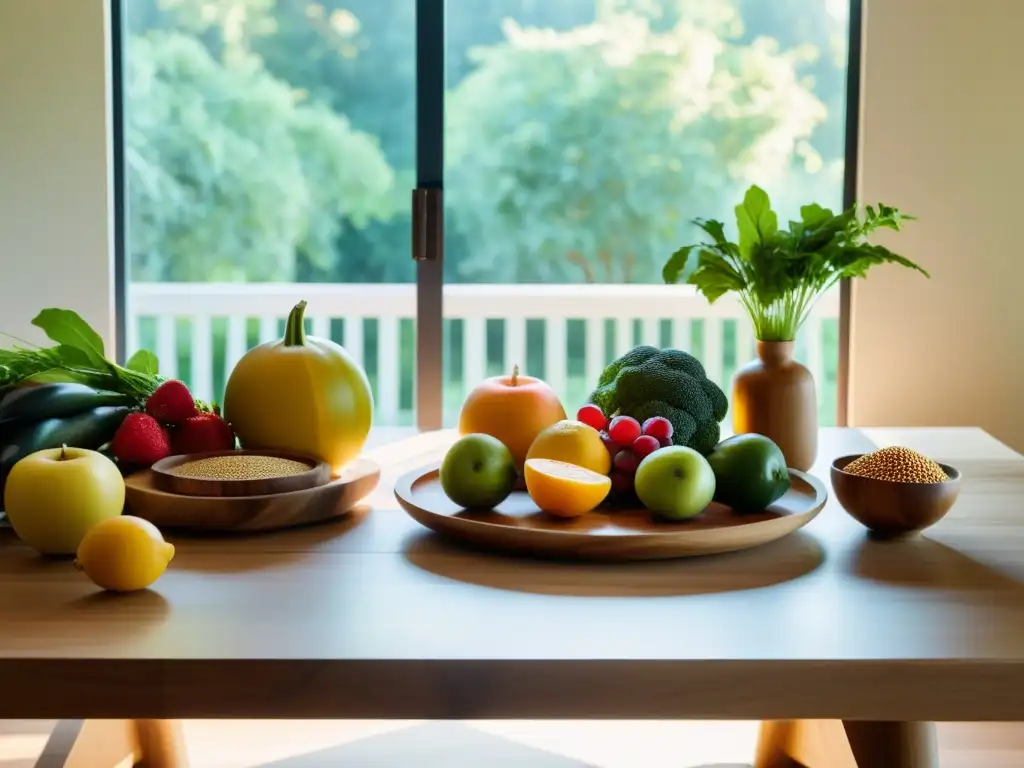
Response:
column 628, row 442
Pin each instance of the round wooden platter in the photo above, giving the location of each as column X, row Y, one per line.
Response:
column 250, row 513
column 165, row 478
column 517, row 525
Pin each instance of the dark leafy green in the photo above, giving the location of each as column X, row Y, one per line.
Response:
column 77, row 356
column 779, row 274
column 143, row 361
column 68, row 329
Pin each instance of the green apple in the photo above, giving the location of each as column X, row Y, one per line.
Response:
column 53, row 497
column 478, row 472
column 675, row 483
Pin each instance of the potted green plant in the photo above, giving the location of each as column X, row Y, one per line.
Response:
column 778, row 275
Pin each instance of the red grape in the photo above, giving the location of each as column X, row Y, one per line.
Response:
column 626, row 461
column 592, row 416
column 621, row 482
column 610, row 445
column 666, row 442
column 659, row 427
column 645, row 445
column 624, row 430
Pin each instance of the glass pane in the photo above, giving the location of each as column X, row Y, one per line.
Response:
column 582, row 138
column 270, row 148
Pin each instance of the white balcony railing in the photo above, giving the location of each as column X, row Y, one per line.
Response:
column 199, row 330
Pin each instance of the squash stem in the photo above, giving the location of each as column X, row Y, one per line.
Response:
column 295, row 330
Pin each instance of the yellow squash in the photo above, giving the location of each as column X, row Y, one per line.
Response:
column 301, row 394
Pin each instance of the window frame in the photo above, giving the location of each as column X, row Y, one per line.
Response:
column 430, row 97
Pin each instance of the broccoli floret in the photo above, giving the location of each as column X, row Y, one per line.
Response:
column 706, row 437
column 648, row 382
column 683, row 361
column 605, row 398
column 635, row 356
column 719, row 402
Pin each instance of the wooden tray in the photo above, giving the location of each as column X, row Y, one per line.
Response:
column 250, row 513
column 164, row 479
column 517, row 524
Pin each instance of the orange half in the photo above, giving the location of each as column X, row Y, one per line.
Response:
column 564, row 489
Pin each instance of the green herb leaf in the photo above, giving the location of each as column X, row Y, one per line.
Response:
column 675, row 269
column 67, row 328
column 855, row 262
column 814, row 215
column 715, row 276
column 756, row 220
column 829, row 229
column 779, row 275
column 73, row 357
column 714, row 228
column 143, row 361
column 58, row 375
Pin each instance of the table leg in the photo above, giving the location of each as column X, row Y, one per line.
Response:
column 845, row 744
column 148, row 743
column 901, row 745
column 804, row 744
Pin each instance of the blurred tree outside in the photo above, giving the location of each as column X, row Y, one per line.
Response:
column 583, row 155
column 233, row 174
column 275, row 139
column 233, row 177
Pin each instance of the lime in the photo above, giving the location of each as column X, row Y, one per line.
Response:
column 750, row 472
column 478, row 472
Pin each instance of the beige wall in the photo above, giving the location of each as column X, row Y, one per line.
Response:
column 55, row 211
column 943, row 138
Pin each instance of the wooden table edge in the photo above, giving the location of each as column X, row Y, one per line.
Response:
column 525, row 689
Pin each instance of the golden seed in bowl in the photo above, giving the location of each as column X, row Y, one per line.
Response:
column 240, row 467
column 898, row 465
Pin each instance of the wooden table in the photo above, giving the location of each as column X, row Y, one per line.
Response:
column 843, row 645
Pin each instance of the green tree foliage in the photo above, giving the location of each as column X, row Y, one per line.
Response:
column 232, row 173
column 582, row 154
column 358, row 56
column 275, row 139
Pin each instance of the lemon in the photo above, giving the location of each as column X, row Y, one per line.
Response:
column 124, row 554
column 574, row 443
column 565, row 490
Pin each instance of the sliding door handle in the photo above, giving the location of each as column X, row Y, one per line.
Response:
column 427, row 224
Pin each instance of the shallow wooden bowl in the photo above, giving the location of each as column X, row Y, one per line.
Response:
column 250, row 513
column 890, row 509
column 517, row 525
column 165, row 479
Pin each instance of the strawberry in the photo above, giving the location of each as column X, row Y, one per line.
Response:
column 140, row 440
column 171, row 403
column 203, row 433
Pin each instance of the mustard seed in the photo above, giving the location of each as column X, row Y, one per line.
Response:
column 240, row 467
column 897, row 464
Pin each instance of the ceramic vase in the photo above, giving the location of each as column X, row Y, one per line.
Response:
column 774, row 396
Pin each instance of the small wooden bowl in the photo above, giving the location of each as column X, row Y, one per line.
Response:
column 889, row 509
column 164, row 479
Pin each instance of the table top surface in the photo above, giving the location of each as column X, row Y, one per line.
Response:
column 376, row 594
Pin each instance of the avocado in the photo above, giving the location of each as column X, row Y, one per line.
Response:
column 750, row 472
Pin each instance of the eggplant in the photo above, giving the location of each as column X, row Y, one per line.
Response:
column 56, row 400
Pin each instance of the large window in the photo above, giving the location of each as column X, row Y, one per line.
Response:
column 270, row 147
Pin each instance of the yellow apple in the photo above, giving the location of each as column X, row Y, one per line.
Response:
column 53, row 497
